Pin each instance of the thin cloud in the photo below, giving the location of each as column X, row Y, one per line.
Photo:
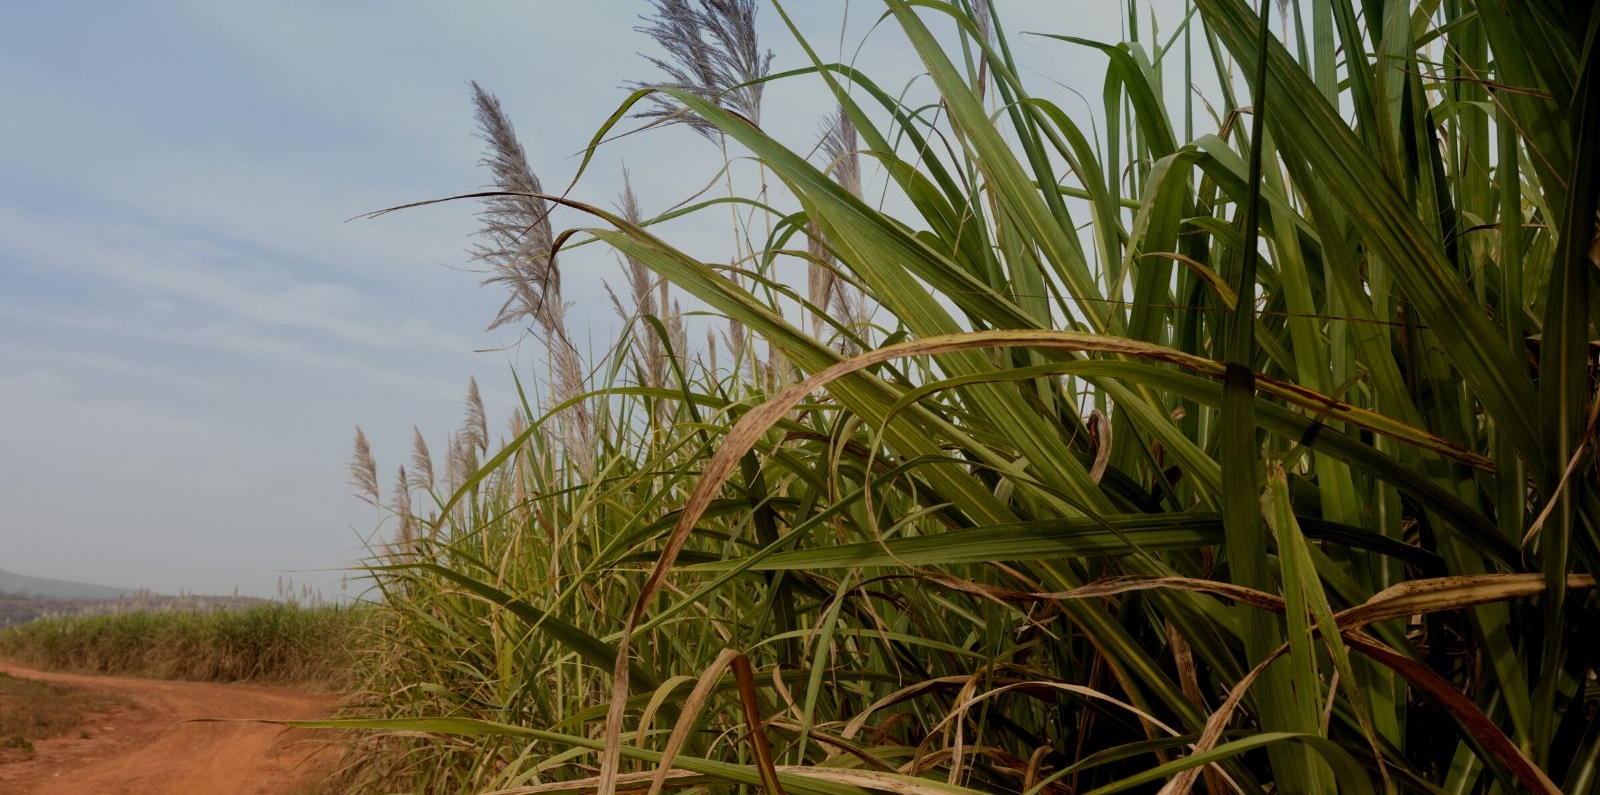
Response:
column 206, row 276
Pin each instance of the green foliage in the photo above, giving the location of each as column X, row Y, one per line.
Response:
column 270, row 642
column 1246, row 460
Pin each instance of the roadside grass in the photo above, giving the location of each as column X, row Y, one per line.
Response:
column 31, row 710
column 277, row 643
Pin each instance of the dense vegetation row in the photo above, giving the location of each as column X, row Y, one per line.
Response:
column 272, row 642
column 1244, row 446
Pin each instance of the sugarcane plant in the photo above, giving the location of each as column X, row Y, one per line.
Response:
column 1243, row 445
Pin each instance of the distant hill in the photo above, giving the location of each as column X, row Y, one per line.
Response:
column 40, row 587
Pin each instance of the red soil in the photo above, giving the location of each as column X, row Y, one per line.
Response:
column 148, row 749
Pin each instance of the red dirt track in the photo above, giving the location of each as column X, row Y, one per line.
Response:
column 147, row 748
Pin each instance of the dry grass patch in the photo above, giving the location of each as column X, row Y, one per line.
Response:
column 32, row 710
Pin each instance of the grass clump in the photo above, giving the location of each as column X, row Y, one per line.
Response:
column 265, row 643
column 1255, row 457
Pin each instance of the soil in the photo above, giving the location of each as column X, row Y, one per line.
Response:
column 149, row 744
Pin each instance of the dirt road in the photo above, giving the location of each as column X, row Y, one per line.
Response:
column 147, row 749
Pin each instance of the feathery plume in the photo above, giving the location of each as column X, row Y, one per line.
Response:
column 517, row 228
column 517, row 425
column 839, row 146
column 461, row 462
column 819, row 277
column 712, row 51
column 640, row 279
column 421, row 462
column 475, row 428
column 850, row 304
column 650, row 297
column 405, row 535
column 577, row 423
column 520, row 472
column 825, row 291
column 363, row 470
column 676, row 333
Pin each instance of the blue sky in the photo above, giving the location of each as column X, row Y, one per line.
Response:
column 190, row 327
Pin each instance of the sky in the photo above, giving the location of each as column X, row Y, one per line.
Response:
column 191, row 323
